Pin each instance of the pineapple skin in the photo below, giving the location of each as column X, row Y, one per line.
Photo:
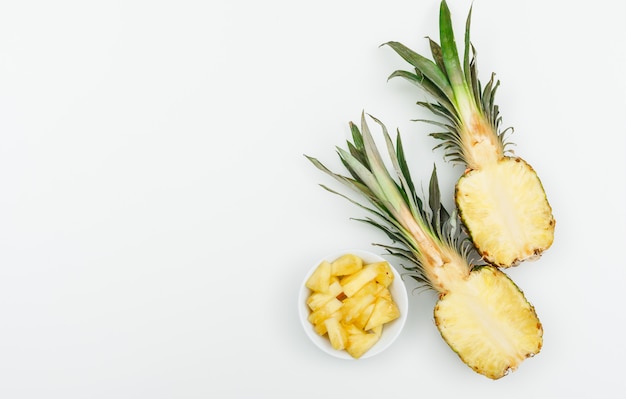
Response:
column 489, row 323
column 505, row 211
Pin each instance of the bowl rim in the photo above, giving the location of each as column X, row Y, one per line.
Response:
column 391, row 331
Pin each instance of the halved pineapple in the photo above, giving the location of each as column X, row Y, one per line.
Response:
column 500, row 199
column 488, row 323
column 504, row 207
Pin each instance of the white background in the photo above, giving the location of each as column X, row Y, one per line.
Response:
column 157, row 214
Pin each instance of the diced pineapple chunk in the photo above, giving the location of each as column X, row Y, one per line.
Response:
column 384, row 293
column 371, row 288
column 377, row 330
column 346, row 264
column 318, row 299
column 325, row 311
column 336, row 333
column 380, row 272
column 352, row 307
column 335, row 287
column 361, row 342
column 384, row 273
column 352, row 329
column 361, row 320
column 354, row 282
column 319, row 281
column 384, row 312
column 320, row 329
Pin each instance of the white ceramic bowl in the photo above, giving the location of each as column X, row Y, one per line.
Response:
column 391, row 330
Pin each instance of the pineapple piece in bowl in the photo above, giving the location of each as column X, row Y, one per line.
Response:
column 353, row 304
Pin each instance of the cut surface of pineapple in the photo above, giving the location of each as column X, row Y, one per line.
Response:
column 506, row 213
column 489, row 323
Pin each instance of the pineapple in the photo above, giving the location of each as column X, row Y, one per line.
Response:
column 346, row 264
column 480, row 312
column 500, row 199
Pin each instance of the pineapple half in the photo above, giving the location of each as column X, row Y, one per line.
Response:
column 500, row 199
column 481, row 314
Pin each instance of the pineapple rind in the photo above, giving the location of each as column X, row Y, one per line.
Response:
column 506, row 212
column 489, row 323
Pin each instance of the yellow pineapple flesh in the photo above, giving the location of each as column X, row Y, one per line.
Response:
column 504, row 208
column 488, row 323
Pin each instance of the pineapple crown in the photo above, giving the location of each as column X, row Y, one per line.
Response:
column 399, row 212
column 459, row 97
